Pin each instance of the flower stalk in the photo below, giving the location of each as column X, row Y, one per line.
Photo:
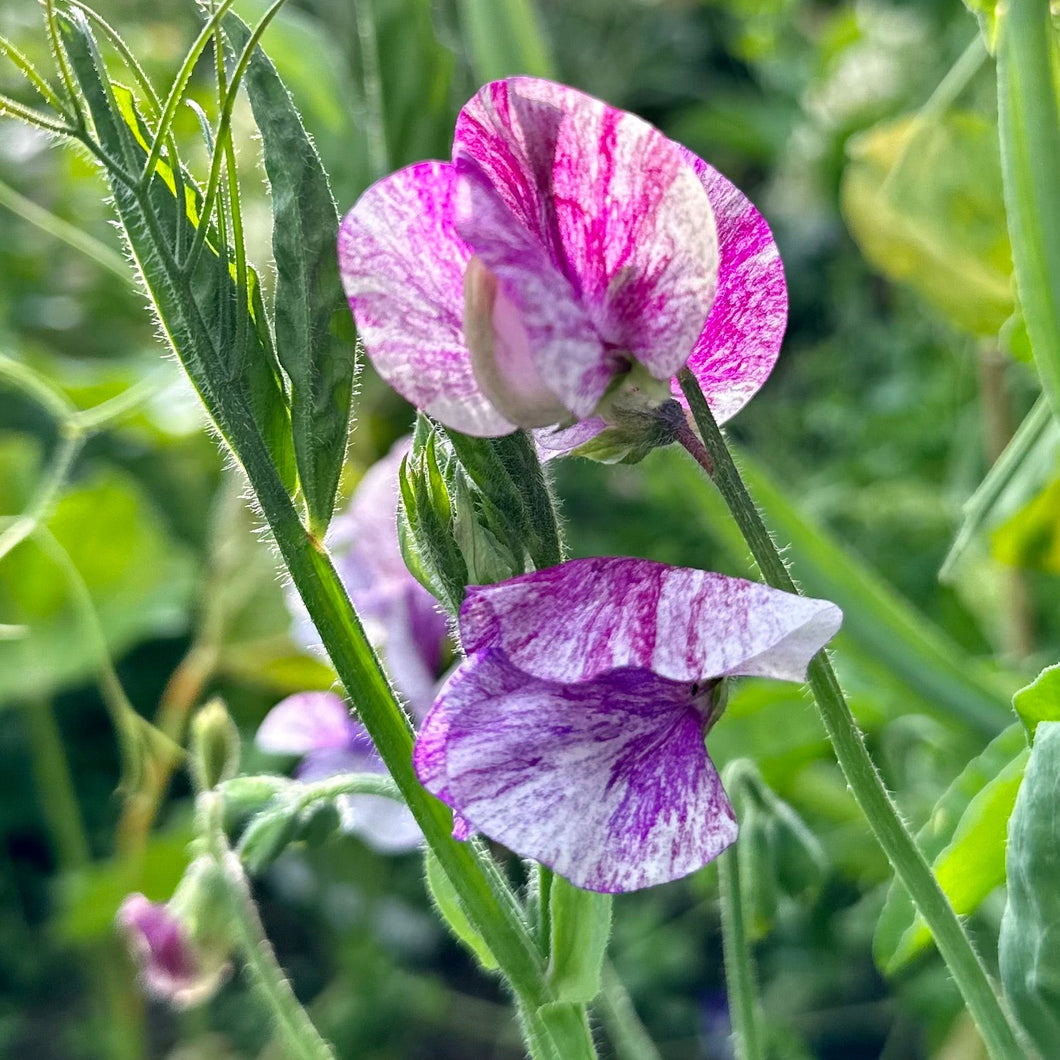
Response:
column 739, row 962
column 861, row 775
column 294, row 1028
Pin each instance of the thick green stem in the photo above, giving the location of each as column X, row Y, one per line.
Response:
column 864, row 781
column 739, row 962
column 1029, row 126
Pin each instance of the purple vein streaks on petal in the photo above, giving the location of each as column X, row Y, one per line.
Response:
column 614, row 204
column 741, row 340
column 607, row 782
column 306, row 722
column 402, row 266
column 684, row 624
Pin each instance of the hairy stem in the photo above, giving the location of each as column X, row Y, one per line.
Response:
column 739, row 962
column 864, row 781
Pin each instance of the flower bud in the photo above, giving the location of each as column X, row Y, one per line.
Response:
column 214, row 745
column 182, row 946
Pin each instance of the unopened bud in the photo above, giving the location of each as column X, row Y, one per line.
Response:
column 183, row 945
column 214, row 745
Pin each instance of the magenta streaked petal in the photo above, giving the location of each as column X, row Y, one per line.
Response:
column 541, row 307
column 741, row 340
column 402, row 266
column 307, row 722
column 560, row 440
column 172, row 969
column 616, row 208
column 683, row 624
column 607, row 782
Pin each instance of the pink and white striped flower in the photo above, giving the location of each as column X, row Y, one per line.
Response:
column 569, row 256
column 573, row 732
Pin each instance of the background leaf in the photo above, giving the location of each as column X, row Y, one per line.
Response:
column 139, row 578
column 923, row 198
column 964, row 839
column 1029, row 947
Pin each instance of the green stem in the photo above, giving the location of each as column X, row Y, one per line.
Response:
column 294, row 1028
column 864, row 781
column 739, row 962
column 67, row 233
column 55, row 785
column 1029, row 126
column 627, row 1033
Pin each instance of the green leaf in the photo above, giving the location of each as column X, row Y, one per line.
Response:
column 923, row 198
column 965, row 840
column 447, row 902
column 1031, row 537
column 581, row 928
column 1035, row 443
column 314, row 339
column 140, row 580
column 1029, row 125
column 1040, row 700
column 207, row 320
column 1029, row 946
column 504, row 37
column 986, row 12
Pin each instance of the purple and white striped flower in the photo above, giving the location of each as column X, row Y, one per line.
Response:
column 573, row 732
column 403, row 621
column 570, row 254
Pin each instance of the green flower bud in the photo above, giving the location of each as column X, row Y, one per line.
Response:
column 214, row 745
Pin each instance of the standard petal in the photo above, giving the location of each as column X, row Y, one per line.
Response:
column 306, row 722
column 402, row 266
column 607, row 782
column 683, row 624
column 740, row 342
column 616, row 205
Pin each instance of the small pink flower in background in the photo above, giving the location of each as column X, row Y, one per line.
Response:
column 180, row 962
column 573, row 732
column 403, row 621
column 568, row 247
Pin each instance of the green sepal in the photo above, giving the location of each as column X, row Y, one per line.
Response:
column 314, row 339
column 244, row 797
column 444, row 898
column 268, row 835
column 580, row 931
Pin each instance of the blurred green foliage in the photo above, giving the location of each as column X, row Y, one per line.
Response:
column 871, row 429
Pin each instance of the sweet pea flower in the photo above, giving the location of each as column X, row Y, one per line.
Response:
column 181, row 946
column 573, row 732
column 560, row 270
column 405, row 625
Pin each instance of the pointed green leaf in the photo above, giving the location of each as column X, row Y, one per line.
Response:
column 965, row 840
column 1029, row 946
column 447, row 902
column 314, row 339
column 207, row 320
column 581, row 928
column 1040, row 700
